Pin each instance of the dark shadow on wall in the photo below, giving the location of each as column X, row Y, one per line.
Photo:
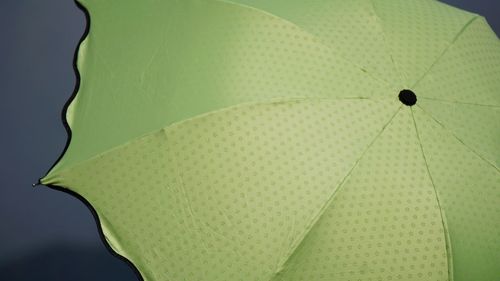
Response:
column 66, row 262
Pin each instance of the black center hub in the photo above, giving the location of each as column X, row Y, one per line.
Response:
column 407, row 97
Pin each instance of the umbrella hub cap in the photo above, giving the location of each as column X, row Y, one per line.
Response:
column 408, row 97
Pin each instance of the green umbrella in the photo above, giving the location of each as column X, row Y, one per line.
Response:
column 289, row 140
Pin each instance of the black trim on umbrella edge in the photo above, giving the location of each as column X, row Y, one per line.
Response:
column 69, row 133
column 99, row 228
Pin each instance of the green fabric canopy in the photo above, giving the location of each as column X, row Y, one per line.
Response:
column 280, row 139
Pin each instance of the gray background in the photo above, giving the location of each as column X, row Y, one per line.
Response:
column 47, row 234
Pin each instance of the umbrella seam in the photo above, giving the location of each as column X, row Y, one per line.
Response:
column 282, row 268
column 194, row 218
column 445, row 51
column 179, row 123
column 402, row 75
column 315, row 37
column 444, row 222
column 459, row 102
column 71, row 101
column 460, row 140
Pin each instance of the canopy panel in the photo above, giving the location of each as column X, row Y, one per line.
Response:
column 230, row 193
column 469, row 193
column 148, row 64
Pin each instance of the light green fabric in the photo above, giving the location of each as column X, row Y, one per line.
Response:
column 264, row 140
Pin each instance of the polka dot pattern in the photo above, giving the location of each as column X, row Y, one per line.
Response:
column 468, row 72
column 405, row 36
column 418, row 32
column 383, row 223
column 469, row 190
column 264, row 140
column 223, row 196
column 477, row 126
column 345, row 26
column 208, row 55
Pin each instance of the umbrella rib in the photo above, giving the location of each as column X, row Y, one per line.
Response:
column 319, row 214
column 274, row 100
column 194, row 218
column 316, row 38
column 379, row 20
column 460, row 140
column 445, row 51
column 459, row 102
column 444, row 221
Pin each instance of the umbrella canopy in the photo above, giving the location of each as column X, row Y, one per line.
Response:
column 289, row 140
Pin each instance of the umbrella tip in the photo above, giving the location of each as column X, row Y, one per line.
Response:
column 36, row 183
